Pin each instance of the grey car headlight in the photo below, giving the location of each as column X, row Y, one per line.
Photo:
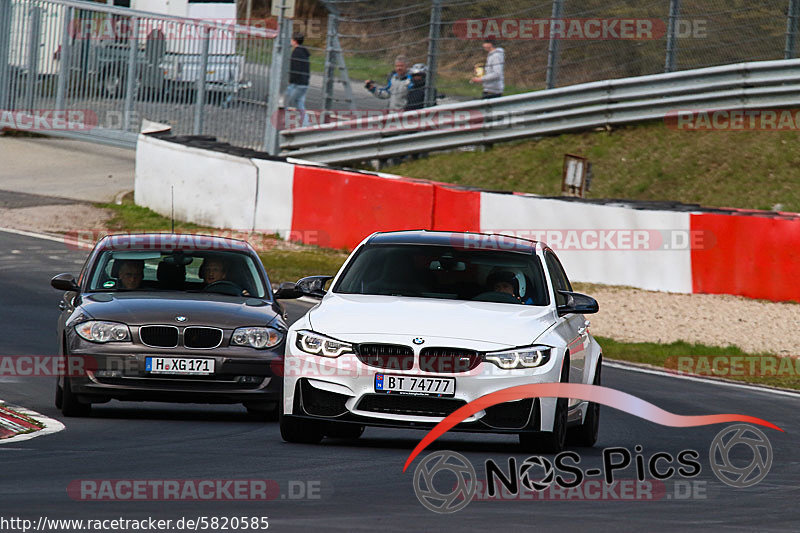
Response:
column 317, row 344
column 100, row 331
column 256, row 337
column 526, row 357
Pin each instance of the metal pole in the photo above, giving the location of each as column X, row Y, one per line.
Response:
column 5, row 47
column 248, row 12
column 554, row 47
column 271, row 135
column 34, row 39
column 132, row 75
column 64, row 58
column 791, row 29
column 200, row 100
column 433, row 52
column 672, row 39
column 330, row 62
column 288, row 25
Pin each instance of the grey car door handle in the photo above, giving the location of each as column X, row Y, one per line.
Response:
column 583, row 329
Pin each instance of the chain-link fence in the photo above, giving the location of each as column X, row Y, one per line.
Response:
column 591, row 40
column 121, row 66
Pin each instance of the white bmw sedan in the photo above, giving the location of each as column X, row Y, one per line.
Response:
column 419, row 323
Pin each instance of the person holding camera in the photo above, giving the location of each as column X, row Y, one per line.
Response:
column 396, row 88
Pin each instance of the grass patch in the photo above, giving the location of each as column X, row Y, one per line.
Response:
column 281, row 264
column 733, row 363
column 748, row 169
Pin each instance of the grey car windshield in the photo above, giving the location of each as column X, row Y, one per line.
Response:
column 230, row 273
column 445, row 272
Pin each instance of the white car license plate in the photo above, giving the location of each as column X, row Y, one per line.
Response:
column 179, row 365
column 422, row 386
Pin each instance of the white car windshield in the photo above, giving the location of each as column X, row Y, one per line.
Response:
column 444, row 272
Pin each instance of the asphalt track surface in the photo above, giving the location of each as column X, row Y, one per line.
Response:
column 361, row 484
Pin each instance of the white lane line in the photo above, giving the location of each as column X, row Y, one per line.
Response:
column 624, row 365
column 34, row 234
column 51, row 425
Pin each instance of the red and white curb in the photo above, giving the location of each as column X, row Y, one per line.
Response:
column 13, row 428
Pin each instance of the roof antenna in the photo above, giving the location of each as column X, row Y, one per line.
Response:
column 172, row 215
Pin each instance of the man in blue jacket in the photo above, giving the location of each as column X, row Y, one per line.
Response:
column 396, row 88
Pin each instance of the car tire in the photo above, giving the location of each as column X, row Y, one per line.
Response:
column 59, row 396
column 298, row 430
column 336, row 430
column 70, row 406
column 551, row 441
column 266, row 415
column 585, row 435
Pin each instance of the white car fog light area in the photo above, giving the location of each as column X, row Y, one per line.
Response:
column 99, row 331
column 528, row 357
column 316, row 344
column 256, row 337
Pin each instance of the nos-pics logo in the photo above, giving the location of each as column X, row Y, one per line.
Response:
column 446, row 482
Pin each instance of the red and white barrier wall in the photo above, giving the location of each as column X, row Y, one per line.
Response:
column 746, row 253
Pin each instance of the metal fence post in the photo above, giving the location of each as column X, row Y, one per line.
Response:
column 5, row 48
column 672, row 39
column 200, row 100
column 64, row 59
column 271, row 133
column 554, row 46
column 330, row 61
column 132, row 75
column 791, row 29
column 433, row 52
column 34, row 40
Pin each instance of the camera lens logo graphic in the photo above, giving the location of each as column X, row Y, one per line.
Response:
column 525, row 473
column 454, row 464
column 739, row 436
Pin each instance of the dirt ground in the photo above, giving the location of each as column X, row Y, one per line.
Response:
column 628, row 315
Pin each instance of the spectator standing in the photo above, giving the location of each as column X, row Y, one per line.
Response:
column 299, row 67
column 416, row 88
column 396, row 88
column 493, row 80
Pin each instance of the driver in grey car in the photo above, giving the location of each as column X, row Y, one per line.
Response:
column 214, row 270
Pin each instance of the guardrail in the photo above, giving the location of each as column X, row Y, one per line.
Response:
column 763, row 84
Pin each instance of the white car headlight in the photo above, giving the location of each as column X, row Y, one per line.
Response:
column 256, row 337
column 527, row 357
column 99, row 331
column 317, row 344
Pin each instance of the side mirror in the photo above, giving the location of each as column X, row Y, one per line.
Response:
column 286, row 291
column 65, row 282
column 578, row 303
column 313, row 285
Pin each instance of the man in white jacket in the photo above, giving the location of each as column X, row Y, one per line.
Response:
column 492, row 79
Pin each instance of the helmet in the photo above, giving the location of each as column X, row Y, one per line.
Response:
column 418, row 68
column 506, row 277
